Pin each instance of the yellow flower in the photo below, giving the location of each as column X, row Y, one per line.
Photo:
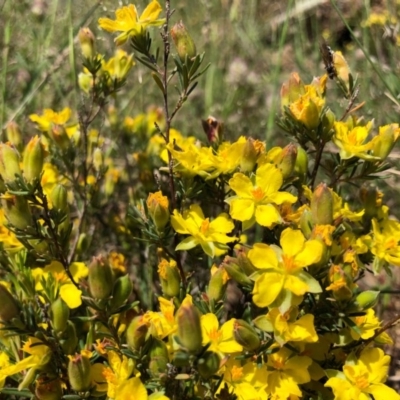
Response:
column 362, row 378
column 282, row 270
column 211, row 236
column 287, row 371
column 221, row 339
column 7, row 238
column 128, row 22
column 163, row 323
column 119, row 370
column 118, row 66
column 246, row 381
column 132, row 388
column 351, row 140
column 51, row 117
column 286, row 328
column 308, row 107
column 367, row 325
column 256, row 202
column 385, row 244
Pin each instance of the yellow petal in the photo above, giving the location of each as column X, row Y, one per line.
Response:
column 241, row 185
column 267, row 215
column 267, row 288
column 292, row 241
column 262, row 256
column 71, row 295
column 241, row 209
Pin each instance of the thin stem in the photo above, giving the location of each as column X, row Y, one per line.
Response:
column 168, row 118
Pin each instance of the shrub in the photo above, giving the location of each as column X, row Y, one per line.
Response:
column 258, row 250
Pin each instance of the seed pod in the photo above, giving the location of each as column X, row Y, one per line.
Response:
column 100, row 278
column 121, row 291
column 79, row 372
column 246, row 335
column 33, row 159
column 189, row 328
column 59, row 315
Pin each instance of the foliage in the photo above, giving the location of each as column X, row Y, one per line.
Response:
column 253, row 251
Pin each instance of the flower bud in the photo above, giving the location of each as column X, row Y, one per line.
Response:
column 306, row 225
column 8, row 306
column 246, row 335
column 158, row 355
column 217, row 286
column 98, row 161
column 169, row 277
column 213, row 129
column 122, row 290
column 9, row 163
column 183, row 42
column 327, row 123
column 249, row 156
column 322, row 205
column 122, row 63
column 60, row 137
column 13, row 135
column 370, row 198
column 70, row 339
column 386, row 140
column 33, row 159
column 59, row 198
column 100, row 278
column 49, row 389
column 243, row 260
column 136, row 333
column 288, row 160
column 59, row 315
column 232, row 268
column 367, row 299
column 87, row 42
column 301, row 165
column 189, row 328
column 291, row 90
column 157, row 205
column 16, row 210
column 79, row 372
column 208, row 364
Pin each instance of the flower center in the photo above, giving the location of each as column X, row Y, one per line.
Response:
column 214, row 335
column 289, row 263
column 205, row 225
column 257, row 194
column 237, row 373
column 361, row 381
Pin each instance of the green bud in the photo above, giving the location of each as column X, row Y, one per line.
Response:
column 208, row 364
column 327, row 125
column 79, row 373
column 33, row 159
column 322, row 205
column 243, row 261
column 159, row 359
column 59, row 136
column 8, row 306
column 306, row 224
column 83, row 243
column 70, row 339
column 59, row 198
column 183, row 42
column 100, row 278
column 246, row 335
column 86, row 40
column 136, row 333
column 232, row 268
column 189, row 328
column 121, row 291
column 288, row 160
column 301, row 165
column 13, row 135
column 9, row 163
column 367, row 299
column 49, row 389
column 16, row 210
column 291, row 90
column 98, row 161
column 370, row 198
column 249, row 156
column 157, row 205
column 217, row 286
column 59, row 315
column 169, row 277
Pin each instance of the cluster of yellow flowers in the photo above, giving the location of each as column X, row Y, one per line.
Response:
column 257, row 264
